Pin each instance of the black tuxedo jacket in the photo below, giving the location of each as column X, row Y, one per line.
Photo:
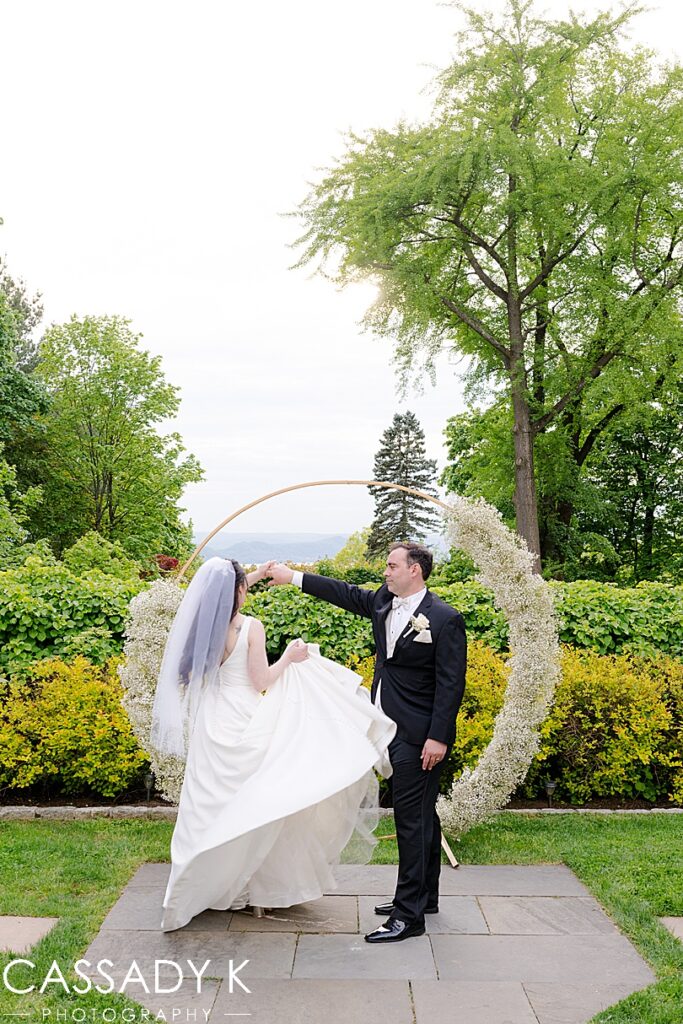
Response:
column 422, row 684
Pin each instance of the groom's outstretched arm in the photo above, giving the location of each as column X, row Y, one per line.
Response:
column 345, row 595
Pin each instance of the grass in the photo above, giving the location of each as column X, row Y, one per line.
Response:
column 76, row 871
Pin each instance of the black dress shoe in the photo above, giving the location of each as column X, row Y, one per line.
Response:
column 384, row 909
column 395, row 930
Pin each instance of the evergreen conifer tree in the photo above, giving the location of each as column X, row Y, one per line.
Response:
column 402, row 459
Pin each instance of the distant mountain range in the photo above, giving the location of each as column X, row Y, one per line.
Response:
column 254, row 548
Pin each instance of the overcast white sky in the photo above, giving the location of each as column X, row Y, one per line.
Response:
column 149, row 150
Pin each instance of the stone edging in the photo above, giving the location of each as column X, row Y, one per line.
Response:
column 70, row 813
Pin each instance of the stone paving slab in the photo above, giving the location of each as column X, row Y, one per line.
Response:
column 150, row 874
column 270, row 956
column 139, row 908
column 545, row 915
column 346, row 956
column 329, row 914
column 461, row 1002
column 310, row 1001
column 573, row 1004
column 511, row 880
column 186, row 999
column 457, row 915
column 467, row 880
column 364, row 879
column 561, row 959
column 675, row 926
column 19, row 934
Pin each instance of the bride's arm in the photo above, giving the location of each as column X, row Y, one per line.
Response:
column 259, row 574
column 261, row 674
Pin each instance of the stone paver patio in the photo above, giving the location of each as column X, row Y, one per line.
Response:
column 511, row 945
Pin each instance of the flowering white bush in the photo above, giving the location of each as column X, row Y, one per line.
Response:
column 149, row 623
column 505, row 565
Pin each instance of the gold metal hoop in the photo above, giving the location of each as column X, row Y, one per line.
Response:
column 299, row 487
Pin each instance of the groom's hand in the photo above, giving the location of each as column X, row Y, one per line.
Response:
column 433, row 753
column 279, row 574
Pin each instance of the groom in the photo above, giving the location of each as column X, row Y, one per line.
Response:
column 419, row 682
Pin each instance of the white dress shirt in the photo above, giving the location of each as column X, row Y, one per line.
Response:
column 397, row 620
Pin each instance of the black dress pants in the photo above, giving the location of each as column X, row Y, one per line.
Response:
column 418, row 831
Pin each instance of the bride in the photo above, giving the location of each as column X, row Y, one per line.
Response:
column 279, row 775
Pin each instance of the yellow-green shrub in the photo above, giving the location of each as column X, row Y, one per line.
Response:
column 482, row 700
column 614, row 729
column 668, row 673
column 365, row 667
column 610, row 730
column 63, row 727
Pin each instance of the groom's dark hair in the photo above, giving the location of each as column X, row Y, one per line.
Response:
column 417, row 553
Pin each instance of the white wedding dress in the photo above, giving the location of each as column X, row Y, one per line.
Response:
column 275, row 787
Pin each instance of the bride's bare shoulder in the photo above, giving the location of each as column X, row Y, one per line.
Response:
column 257, row 630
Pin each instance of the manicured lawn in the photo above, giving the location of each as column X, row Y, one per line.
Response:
column 76, row 870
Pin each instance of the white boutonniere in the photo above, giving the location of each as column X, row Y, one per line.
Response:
column 420, row 624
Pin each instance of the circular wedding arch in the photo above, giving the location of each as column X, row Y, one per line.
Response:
column 505, row 566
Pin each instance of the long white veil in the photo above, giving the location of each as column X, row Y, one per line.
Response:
column 193, row 654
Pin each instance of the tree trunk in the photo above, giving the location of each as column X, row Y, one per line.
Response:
column 526, row 507
column 648, row 537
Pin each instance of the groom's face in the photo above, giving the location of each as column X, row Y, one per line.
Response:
column 401, row 577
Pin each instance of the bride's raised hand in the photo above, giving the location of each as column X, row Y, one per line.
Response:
column 259, row 574
column 297, row 650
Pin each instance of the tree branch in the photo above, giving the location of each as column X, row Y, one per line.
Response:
column 594, row 433
column 550, row 265
column 478, row 327
column 476, row 239
column 542, row 422
column 483, row 276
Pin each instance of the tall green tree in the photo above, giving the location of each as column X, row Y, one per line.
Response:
column 479, row 452
column 636, row 474
column 401, row 459
column 15, row 509
column 535, row 223
column 627, row 496
column 27, row 313
column 21, row 396
column 103, row 463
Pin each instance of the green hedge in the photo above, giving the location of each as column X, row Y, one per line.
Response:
column 48, row 611
column 603, row 617
column 599, row 616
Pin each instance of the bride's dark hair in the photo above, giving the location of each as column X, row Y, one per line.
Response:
column 240, row 580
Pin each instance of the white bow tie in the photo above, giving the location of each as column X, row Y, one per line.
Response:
column 400, row 602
